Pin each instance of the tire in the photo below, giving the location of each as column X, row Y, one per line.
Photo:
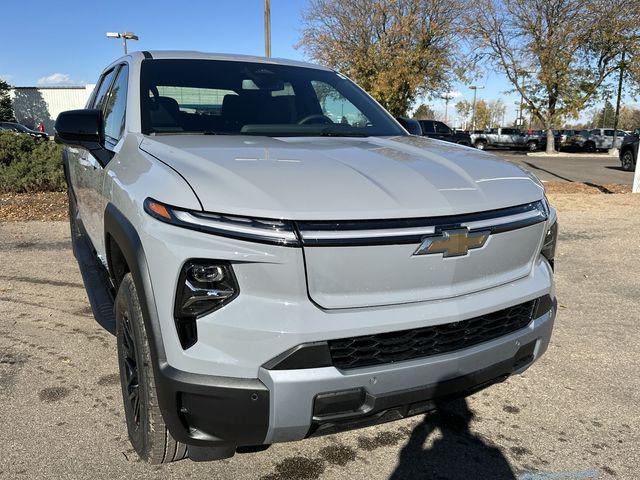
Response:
column 627, row 161
column 532, row 146
column 480, row 145
column 147, row 431
column 590, row 147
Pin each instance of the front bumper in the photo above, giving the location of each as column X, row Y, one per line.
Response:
column 279, row 405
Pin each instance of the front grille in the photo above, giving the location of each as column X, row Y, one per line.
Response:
column 423, row 342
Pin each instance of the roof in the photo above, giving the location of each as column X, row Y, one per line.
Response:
column 53, row 87
column 194, row 55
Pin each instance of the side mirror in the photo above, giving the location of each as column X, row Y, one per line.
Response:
column 84, row 129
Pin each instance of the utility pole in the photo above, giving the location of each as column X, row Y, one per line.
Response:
column 446, row 97
column 614, row 150
column 267, row 28
column 475, row 93
column 124, row 36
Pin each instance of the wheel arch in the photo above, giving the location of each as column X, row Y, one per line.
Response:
column 125, row 254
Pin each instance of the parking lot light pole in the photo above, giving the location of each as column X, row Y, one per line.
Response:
column 124, row 36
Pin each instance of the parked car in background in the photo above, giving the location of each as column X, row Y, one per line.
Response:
column 563, row 136
column 441, row 131
column 597, row 139
column 629, row 152
column 510, row 138
column 410, row 125
column 19, row 128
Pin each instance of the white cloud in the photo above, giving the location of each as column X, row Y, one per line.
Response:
column 55, row 79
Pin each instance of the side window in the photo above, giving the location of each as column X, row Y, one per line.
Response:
column 595, row 132
column 115, row 107
column 608, row 133
column 442, row 128
column 103, row 89
column 335, row 106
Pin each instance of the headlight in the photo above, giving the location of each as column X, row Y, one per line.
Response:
column 203, row 287
column 263, row 230
column 549, row 244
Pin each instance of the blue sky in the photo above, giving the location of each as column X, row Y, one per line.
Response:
column 66, row 44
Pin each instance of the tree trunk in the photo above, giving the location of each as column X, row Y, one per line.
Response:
column 551, row 147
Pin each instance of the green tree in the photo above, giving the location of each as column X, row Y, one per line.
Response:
column 555, row 53
column 6, row 109
column 397, row 50
column 604, row 117
column 424, row 112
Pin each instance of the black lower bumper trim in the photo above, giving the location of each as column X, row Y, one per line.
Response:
column 207, row 410
column 406, row 403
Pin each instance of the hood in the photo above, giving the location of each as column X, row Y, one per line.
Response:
column 342, row 178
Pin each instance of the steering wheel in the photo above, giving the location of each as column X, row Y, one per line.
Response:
column 315, row 118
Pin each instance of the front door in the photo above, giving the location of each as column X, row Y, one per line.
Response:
column 87, row 171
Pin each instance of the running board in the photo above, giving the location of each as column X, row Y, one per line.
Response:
column 95, row 278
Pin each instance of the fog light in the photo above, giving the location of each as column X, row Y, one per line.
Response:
column 203, row 287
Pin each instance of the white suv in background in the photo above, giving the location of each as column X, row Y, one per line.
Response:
column 285, row 261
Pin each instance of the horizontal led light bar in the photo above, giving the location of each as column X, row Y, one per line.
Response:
column 277, row 232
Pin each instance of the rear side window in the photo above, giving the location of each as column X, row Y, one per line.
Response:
column 427, row 126
column 442, row 128
column 115, row 107
column 103, row 89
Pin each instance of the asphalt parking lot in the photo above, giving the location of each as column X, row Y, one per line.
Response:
column 573, row 415
column 598, row 168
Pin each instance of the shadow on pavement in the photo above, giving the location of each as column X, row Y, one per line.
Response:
column 457, row 454
column 537, row 167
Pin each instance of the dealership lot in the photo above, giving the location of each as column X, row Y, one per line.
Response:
column 572, row 415
column 577, row 167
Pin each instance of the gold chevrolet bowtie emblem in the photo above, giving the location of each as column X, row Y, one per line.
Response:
column 455, row 242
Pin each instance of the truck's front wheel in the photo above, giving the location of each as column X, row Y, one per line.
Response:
column 480, row 145
column 147, row 431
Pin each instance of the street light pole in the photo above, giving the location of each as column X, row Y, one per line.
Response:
column 124, row 36
column 475, row 93
column 267, row 28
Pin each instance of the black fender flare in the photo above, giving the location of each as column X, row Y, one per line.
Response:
column 120, row 229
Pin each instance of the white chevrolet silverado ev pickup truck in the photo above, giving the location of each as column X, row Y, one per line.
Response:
column 280, row 259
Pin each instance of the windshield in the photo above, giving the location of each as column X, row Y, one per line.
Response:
column 243, row 98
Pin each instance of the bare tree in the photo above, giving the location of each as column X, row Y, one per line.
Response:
column 555, row 53
column 397, row 50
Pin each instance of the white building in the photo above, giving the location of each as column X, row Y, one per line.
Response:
column 32, row 105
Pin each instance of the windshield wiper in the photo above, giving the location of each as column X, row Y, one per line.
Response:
column 328, row 132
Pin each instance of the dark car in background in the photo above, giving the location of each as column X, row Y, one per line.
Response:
column 441, row 131
column 629, row 152
column 410, row 125
column 19, row 128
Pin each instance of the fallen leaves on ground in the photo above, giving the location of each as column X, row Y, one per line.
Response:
column 33, row 206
